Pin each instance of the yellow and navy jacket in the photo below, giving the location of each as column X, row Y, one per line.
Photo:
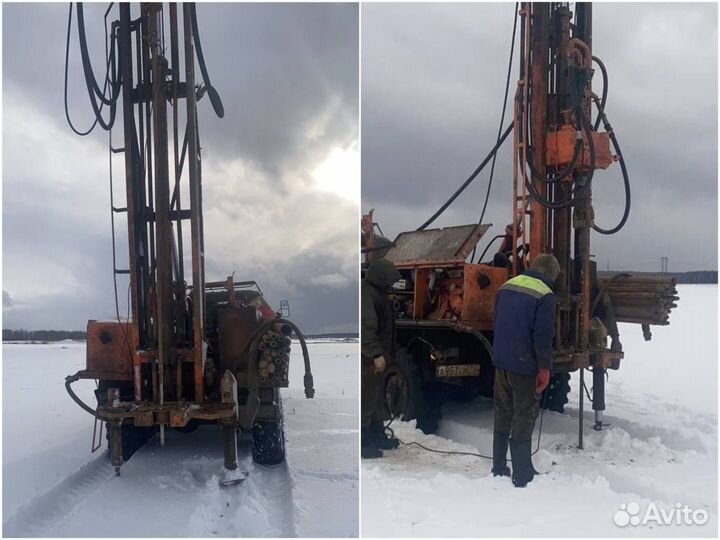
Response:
column 524, row 324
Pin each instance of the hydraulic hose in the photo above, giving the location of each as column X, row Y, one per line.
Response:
column 469, row 180
column 84, row 406
column 87, row 65
column 67, row 63
column 308, row 378
column 212, row 93
column 502, row 114
column 603, row 99
column 623, row 168
column 90, row 81
column 490, row 243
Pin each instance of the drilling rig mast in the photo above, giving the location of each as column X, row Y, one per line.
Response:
column 191, row 352
column 445, row 301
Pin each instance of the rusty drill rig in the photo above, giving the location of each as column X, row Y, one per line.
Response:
column 190, row 353
column 444, row 303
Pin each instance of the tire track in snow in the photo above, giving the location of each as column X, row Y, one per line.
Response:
column 40, row 514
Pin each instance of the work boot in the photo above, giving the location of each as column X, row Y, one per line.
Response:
column 523, row 470
column 500, row 448
column 368, row 447
column 380, row 438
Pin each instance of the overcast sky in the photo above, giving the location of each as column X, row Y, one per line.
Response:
column 280, row 171
column 433, row 78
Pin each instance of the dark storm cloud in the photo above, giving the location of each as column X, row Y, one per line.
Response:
column 287, row 75
column 433, row 79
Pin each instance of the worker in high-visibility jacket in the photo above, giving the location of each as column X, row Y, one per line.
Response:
column 524, row 328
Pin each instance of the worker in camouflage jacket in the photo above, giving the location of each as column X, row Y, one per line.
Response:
column 376, row 347
column 524, row 328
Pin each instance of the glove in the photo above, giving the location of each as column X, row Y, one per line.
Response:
column 379, row 364
column 542, row 381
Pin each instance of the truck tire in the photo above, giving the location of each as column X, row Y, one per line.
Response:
column 268, row 439
column 407, row 396
column 268, row 446
column 555, row 396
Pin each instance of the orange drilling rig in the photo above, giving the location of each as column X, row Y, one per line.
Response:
column 444, row 302
column 191, row 352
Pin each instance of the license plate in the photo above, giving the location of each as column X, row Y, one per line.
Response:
column 460, row 370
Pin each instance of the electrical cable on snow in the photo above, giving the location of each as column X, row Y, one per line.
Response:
column 460, row 452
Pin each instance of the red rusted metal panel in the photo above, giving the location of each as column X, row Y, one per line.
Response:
column 560, row 147
column 481, row 283
column 109, row 349
column 421, row 293
column 235, row 327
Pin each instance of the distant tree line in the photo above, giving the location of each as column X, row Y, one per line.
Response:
column 702, row 276
column 695, row 277
column 335, row 335
column 42, row 335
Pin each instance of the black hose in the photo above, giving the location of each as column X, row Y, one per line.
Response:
column 603, row 99
column 87, row 65
column 502, row 116
column 623, row 168
column 212, row 93
column 565, row 203
column 67, row 63
column 490, row 244
column 308, row 378
column 90, row 81
column 469, row 180
column 68, row 381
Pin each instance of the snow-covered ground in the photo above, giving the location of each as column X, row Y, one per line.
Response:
column 53, row 486
column 660, row 450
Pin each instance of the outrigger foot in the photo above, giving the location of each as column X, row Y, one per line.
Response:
column 232, row 477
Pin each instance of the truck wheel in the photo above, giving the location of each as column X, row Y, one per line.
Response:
column 268, row 446
column 406, row 395
column 556, row 394
column 268, row 438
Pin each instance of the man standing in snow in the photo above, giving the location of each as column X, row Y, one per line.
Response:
column 524, row 328
column 376, row 347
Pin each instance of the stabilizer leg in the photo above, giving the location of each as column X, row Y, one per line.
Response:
column 231, row 475
column 116, row 453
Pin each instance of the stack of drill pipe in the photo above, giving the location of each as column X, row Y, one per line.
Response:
column 274, row 357
column 641, row 299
